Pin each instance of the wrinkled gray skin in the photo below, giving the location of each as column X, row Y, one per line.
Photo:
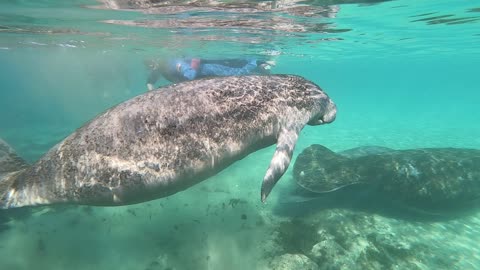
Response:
column 165, row 141
column 426, row 178
column 9, row 160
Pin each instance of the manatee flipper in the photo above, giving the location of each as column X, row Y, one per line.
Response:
column 280, row 161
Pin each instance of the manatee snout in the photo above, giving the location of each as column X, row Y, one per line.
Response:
column 330, row 112
column 326, row 115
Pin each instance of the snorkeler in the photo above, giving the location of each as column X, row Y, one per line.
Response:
column 184, row 69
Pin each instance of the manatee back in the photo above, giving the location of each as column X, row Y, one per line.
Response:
column 427, row 177
column 366, row 150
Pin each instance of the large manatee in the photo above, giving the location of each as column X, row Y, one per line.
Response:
column 165, row 141
column 431, row 180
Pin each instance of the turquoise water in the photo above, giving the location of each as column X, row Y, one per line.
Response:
column 404, row 74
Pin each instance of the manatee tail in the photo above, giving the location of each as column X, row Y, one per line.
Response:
column 10, row 166
column 9, row 160
column 319, row 169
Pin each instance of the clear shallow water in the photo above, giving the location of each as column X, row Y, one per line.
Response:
column 403, row 74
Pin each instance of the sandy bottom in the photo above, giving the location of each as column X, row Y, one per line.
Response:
column 221, row 224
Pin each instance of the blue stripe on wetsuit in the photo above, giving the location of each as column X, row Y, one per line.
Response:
column 207, row 70
column 221, row 70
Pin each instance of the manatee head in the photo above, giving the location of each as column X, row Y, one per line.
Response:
column 320, row 107
column 319, row 169
column 326, row 113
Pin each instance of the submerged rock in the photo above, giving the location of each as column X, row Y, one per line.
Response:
column 356, row 240
column 328, row 250
column 293, row 261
